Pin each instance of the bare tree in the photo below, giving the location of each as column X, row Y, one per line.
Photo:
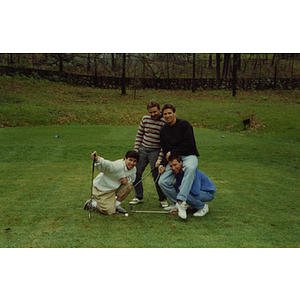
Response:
column 113, row 64
column 123, row 74
column 210, row 66
column 273, row 59
column 194, row 73
column 88, row 63
column 61, row 66
column 234, row 71
column 226, row 65
column 218, row 59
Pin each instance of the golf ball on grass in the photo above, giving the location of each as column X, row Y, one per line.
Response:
column 126, row 215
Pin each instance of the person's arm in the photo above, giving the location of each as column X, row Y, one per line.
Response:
column 131, row 178
column 124, row 180
column 102, row 164
column 139, row 136
column 164, row 150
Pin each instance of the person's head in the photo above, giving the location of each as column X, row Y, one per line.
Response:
column 169, row 113
column 131, row 159
column 153, row 108
column 175, row 163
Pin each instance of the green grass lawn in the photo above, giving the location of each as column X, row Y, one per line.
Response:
column 46, row 180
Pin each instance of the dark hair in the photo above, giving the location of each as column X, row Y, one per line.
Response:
column 175, row 156
column 169, row 105
column 132, row 154
column 153, row 103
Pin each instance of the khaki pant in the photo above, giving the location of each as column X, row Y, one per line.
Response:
column 107, row 200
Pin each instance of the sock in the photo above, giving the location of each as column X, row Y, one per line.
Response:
column 94, row 203
column 118, row 203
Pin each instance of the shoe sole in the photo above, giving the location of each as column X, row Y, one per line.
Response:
column 199, row 215
column 133, row 203
column 86, row 205
column 121, row 212
column 202, row 215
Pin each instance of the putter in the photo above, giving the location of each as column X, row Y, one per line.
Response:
column 92, row 187
column 150, row 191
column 149, row 211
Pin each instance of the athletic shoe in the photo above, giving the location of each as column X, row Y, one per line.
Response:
column 135, row 201
column 164, row 203
column 170, row 207
column 181, row 209
column 88, row 205
column 201, row 212
column 121, row 210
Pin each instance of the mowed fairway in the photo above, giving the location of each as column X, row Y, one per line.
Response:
column 46, row 180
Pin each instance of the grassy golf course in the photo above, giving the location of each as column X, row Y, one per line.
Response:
column 46, row 180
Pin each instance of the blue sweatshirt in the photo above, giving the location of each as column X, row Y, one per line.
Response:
column 201, row 183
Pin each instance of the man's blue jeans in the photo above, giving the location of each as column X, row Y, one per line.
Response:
column 147, row 155
column 199, row 201
column 190, row 164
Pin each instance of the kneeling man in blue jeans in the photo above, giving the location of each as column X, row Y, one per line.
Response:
column 203, row 190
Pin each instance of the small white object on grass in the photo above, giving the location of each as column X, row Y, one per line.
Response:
column 126, row 215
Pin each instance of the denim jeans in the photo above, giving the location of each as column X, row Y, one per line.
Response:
column 199, row 201
column 190, row 164
column 147, row 155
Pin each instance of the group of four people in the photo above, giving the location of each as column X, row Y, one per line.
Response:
column 168, row 144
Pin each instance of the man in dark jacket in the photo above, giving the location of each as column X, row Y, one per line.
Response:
column 177, row 136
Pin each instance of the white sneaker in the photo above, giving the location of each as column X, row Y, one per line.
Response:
column 170, row 207
column 181, row 209
column 164, row 203
column 135, row 201
column 202, row 212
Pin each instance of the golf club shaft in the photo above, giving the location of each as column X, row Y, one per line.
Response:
column 92, row 186
column 143, row 178
column 151, row 191
column 149, row 211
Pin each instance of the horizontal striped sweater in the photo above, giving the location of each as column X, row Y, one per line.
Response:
column 148, row 134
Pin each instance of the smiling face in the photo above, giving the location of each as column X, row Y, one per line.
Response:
column 154, row 113
column 169, row 116
column 130, row 162
column 176, row 166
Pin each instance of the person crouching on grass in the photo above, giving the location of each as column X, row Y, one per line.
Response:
column 203, row 190
column 113, row 184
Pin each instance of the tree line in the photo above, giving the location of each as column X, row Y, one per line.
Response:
column 221, row 66
column 161, row 65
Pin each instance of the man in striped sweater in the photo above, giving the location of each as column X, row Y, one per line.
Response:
column 147, row 144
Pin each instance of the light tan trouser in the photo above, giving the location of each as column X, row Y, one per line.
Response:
column 107, row 200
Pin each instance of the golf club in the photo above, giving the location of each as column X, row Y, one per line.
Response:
column 143, row 178
column 91, row 208
column 150, row 191
column 149, row 211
